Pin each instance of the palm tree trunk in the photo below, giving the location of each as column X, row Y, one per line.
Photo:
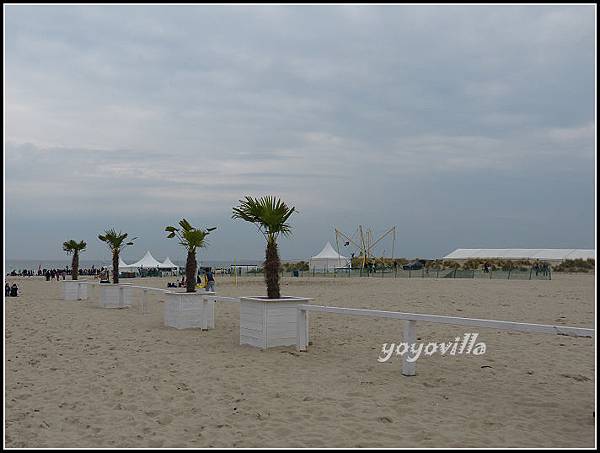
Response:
column 190, row 272
column 75, row 265
column 115, row 267
column 272, row 265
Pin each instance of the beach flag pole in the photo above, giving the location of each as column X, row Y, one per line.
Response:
column 235, row 271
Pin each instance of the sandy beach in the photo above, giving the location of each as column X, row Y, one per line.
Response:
column 81, row 376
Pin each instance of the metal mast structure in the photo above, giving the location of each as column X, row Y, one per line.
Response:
column 365, row 242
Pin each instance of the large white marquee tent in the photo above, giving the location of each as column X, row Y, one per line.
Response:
column 328, row 259
column 555, row 255
column 147, row 262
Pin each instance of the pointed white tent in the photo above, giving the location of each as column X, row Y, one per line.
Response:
column 123, row 266
column 147, row 262
column 168, row 264
column 328, row 259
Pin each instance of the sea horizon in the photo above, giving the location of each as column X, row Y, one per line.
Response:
column 35, row 264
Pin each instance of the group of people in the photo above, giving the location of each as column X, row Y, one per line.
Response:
column 541, row 268
column 51, row 274
column 11, row 291
column 22, row 273
column 208, row 285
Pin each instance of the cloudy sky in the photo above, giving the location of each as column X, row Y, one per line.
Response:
column 464, row 126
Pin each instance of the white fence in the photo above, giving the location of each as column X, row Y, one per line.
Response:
column 145, row 289
column 410, row 326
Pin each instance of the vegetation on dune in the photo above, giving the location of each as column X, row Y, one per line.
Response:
column 297, row 266
column 577, row 265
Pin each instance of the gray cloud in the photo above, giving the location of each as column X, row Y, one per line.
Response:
column 457, row 123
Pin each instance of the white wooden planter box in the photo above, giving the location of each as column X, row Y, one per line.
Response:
column 267, row 323
column 115, row 296
column 190, row 310
column 74, row 290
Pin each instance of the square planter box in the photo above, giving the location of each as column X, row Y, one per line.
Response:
column 190, row 310
column 74, row 290
column 115, row 296
column 267, row 323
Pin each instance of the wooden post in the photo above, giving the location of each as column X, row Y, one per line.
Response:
column 302, row 330
column 410, row 337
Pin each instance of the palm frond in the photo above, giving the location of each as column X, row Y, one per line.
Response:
column 269, row 213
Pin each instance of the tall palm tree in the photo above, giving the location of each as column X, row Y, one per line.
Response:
column 191, row 238
column 74, row 247
column 270, row 215
column 116, row 243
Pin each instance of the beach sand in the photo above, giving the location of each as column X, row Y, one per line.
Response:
column 81, row 376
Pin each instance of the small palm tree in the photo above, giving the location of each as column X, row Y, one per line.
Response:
column 74, row 247
column 192, row 239
column 270, row 215
column 116, row 243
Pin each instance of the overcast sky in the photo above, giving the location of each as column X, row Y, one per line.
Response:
column 465, row 126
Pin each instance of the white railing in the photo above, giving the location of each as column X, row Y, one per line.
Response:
column 410, row 336
column 145, row 290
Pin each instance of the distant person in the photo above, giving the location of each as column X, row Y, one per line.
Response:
column 14, row 290
column 545, row 269
column 7, row 290
column 210, row 280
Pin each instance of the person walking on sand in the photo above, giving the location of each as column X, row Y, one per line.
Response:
column 210, row 280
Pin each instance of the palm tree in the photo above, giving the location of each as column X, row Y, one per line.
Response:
column 74, row 247
column 191, row 238
column 116, row 243
column 270, row 215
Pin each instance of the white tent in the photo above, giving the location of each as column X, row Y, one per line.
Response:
column 123, row 266
column 328, row 259
column 522, row 254
column 147, row 262
column 168, row 264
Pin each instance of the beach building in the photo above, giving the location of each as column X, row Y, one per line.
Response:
column 552, row 256
column 327, row 260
